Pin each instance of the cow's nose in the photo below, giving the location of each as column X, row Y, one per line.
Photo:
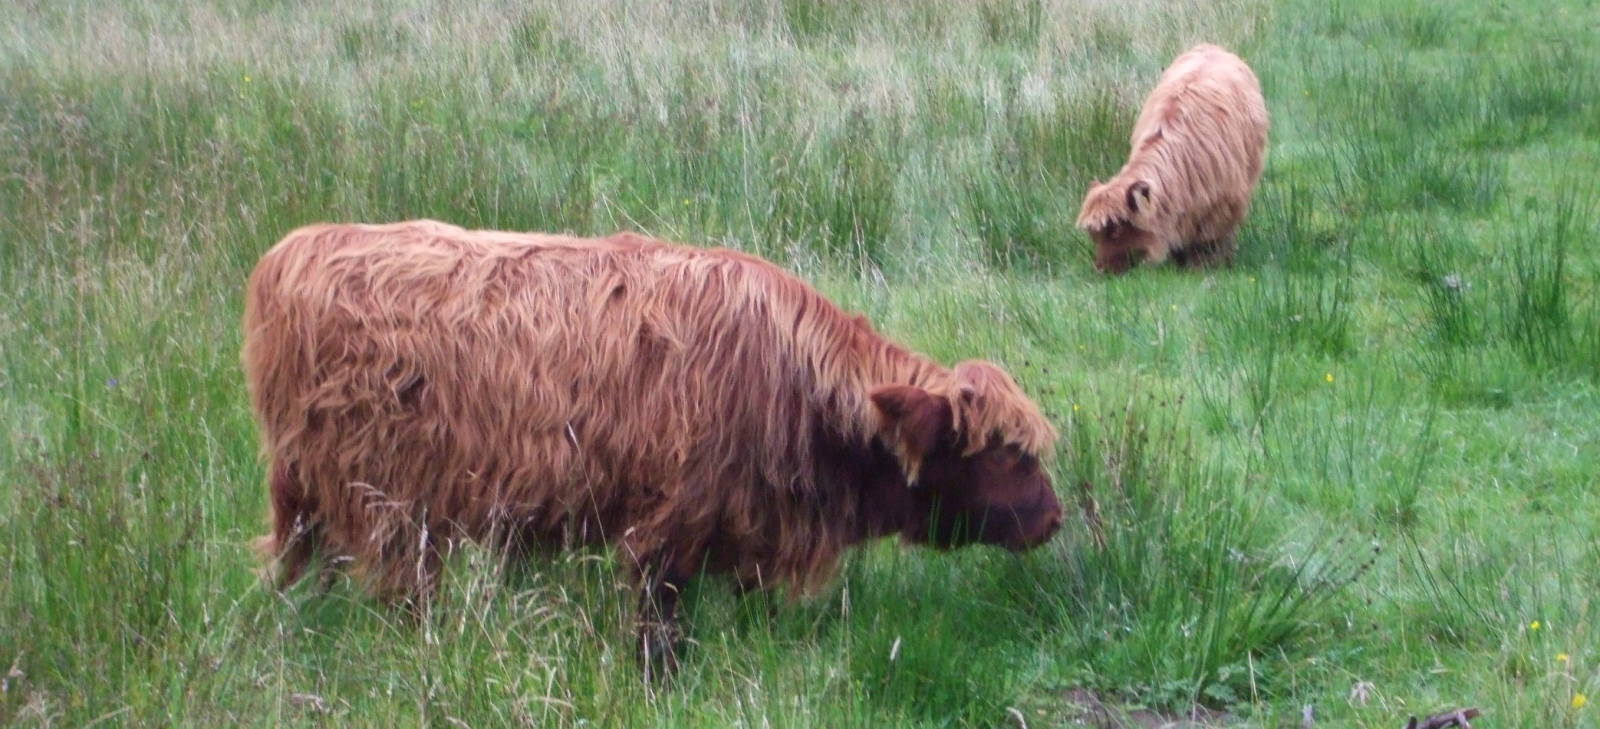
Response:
column 1054, row 524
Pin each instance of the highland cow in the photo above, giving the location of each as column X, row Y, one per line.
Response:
column 418, row 384
column 1198, row 149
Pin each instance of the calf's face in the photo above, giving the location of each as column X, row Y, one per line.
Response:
column 1117, row 215
column 1119, row 246
column 999, row 495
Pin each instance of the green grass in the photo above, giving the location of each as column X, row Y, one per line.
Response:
column 1367, row 454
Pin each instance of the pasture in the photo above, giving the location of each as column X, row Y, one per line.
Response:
column 1357, row 470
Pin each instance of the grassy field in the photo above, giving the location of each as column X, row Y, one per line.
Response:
column 1357, row 471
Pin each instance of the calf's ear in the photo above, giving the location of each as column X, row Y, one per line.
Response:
column 912, row 417
column 1138, row 196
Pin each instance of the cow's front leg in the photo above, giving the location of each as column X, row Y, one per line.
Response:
column 662, row 582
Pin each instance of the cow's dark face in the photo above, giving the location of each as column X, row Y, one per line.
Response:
column 998, row 495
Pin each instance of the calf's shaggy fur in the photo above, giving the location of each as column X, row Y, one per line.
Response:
column 418, row 384
column 1198, row 149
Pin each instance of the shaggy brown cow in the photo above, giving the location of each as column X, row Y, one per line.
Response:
column 1198, row 150
column 417, row 384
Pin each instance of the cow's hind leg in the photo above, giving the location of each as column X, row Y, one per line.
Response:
column 403, row 566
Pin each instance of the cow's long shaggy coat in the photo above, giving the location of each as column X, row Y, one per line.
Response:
column 417, row 384
column 1198, row 149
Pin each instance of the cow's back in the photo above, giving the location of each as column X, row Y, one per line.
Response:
column 472, row 380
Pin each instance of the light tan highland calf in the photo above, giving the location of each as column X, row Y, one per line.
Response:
column 1198, row 150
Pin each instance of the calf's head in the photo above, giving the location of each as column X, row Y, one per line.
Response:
column 971, row 461
column 1115, row 216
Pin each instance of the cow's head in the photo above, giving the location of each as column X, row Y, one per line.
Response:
column 1115, row 216
column 967, row 486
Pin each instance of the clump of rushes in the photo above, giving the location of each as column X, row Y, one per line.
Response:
column 1179, row 589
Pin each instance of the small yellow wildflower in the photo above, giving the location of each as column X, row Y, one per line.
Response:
column 1535, row 625
column 1327, row 376
column 1563, row 658
column 247, row 78
column 1074, row 407
column 1579, row 701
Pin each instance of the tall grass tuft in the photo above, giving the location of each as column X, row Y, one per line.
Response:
column 1289, row 226
column 1024, row 211
column 1231, row 589
column 1453, row 317
column 1383, row 163
column 834, row 194
column 812, row 21
column 1018, row 24
column 1536, row 312
column 1277, row 309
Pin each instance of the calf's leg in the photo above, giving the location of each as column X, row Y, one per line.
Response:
column 1206, row 254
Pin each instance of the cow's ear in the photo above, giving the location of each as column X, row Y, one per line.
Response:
column 1138, row 196
column 912, row 417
